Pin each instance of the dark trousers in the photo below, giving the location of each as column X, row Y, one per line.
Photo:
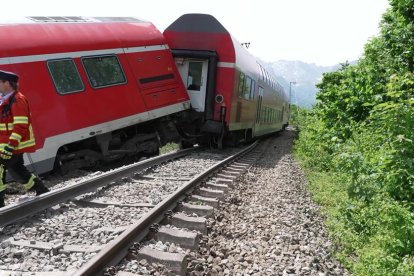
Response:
column 15, row 166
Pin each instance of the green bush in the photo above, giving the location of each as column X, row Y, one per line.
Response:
column 358, row 151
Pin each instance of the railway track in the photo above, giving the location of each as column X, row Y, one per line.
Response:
column 90, row 227
column 14, row 212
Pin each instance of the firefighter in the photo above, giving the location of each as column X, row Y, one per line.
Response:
column 16, row 136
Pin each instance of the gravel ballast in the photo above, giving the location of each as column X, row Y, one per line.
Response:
column 268, row 225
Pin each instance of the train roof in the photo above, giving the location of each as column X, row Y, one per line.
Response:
column 201, row 32
column 44, row 35
column 66, row 19
column 197, row 22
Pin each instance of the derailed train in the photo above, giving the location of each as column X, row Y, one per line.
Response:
column 103, row 88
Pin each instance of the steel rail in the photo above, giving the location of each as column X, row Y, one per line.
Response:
column 13, row 213
column 117, row 249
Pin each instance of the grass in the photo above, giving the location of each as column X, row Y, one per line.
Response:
column 169, row 147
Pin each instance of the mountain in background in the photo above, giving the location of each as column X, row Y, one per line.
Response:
column 306, row 76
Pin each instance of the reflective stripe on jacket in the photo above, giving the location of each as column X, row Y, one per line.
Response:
column 15, row 126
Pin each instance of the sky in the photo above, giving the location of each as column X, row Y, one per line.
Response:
column 324, row 32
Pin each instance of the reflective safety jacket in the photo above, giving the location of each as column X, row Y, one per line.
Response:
column 15, row 124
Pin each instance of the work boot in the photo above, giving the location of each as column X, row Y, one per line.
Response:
column 39, row 187
column 2, row 199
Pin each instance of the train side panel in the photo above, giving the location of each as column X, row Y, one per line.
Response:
column 120, row 76
column 248, row 102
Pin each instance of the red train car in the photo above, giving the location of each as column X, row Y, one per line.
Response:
column 233, row 96
column 99, row 88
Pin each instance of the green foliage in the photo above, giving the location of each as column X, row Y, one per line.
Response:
column 357, row 145
column 169, row 147
column 294, row 115
column 382, row 234
column 310, row 145
column 297, row 114
column 395, row 120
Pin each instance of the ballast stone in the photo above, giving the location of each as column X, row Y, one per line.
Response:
column 15, row 273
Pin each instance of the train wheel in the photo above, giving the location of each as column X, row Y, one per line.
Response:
column 186, row 144
column 220, row 143
column 59, row 167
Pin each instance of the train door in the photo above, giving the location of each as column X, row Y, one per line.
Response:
column 259, row 105
column 194, row 75
column 259, row 110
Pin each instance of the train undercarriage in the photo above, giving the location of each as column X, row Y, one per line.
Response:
column 133, row 142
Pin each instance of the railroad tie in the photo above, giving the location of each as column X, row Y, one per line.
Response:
column 211, row 193
column 125, row 273
column 235, row 169
column 214, row 186
column 225, row 181
column 193, row 223
column 199, row 210
column 226, row 176
column 242, row 164
column 185, row 239
column 206, row 200
column 241, row 167
column 230, row 172
column 175, row 262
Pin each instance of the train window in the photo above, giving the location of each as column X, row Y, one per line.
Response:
column 260, row 71
column 269, row 120
column 241, row 85
column 268, row 115
column 259, row 105
column 195, row 78
column 264, row 115
column 247, row 87
column 262, row 74
column 103, row 71
column 252, row 88
column 267, row 78
column 65, row 76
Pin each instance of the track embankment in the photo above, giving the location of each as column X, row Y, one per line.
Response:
column 269, row 224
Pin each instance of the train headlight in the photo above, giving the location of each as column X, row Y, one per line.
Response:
column 219, row 98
